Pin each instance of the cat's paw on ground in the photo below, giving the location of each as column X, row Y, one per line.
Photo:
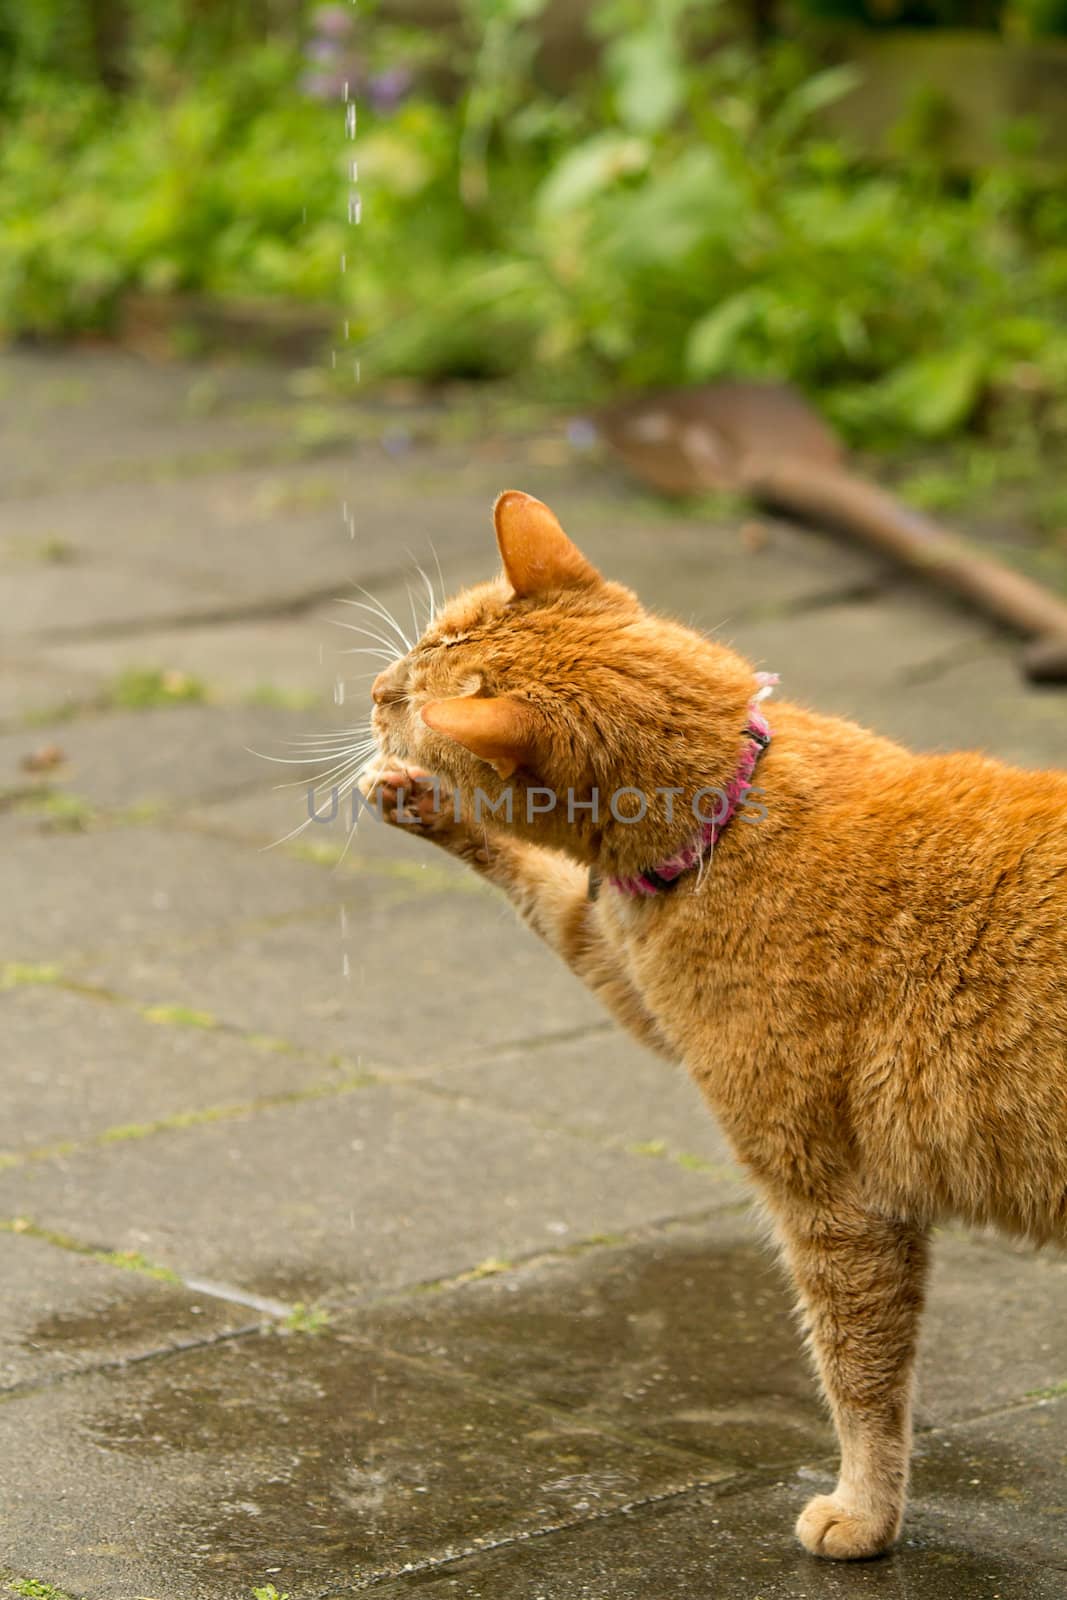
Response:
column 828, row 1527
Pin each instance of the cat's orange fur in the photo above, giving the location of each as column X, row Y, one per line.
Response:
column 870, row 987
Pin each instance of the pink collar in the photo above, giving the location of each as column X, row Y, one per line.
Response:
column 665, row 874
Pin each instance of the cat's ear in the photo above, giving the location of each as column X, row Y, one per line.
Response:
column 538, row 557
column 500, row 731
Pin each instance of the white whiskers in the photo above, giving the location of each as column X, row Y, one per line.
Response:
column 343, row 757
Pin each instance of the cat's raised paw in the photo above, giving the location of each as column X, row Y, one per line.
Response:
column 415, row 800
column 828, row 1528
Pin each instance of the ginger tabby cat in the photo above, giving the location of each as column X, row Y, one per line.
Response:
column 869, row 987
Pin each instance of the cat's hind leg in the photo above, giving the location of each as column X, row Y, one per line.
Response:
column 861, row 1281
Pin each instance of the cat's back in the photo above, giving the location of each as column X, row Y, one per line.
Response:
column 883, row 968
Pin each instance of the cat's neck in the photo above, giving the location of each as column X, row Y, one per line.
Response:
column 647, row 803
column 812, row 760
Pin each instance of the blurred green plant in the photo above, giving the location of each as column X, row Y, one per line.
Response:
column 678, row 214
column 1019, row 18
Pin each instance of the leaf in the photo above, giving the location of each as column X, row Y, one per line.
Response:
column 586, row 171
column 822, row 89
column 691, row 205
column 711, row 341
column 649, row 79
column 932, row 395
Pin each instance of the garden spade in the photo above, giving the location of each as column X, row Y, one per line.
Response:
column 766, row 441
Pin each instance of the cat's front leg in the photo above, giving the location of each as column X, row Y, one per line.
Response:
column 861, row 1280
column 549, row 891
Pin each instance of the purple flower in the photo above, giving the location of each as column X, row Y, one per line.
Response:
column 317, row 86
column 332, row 22
column 321, row 50
column 582, row 433
column 324, row 85
column 385, row 90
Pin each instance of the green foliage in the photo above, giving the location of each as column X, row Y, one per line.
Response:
column 178, row 1017
column 34, row 1589
column 678, row 215
column 143, row 688
column 306, row 1319
column 1020, row 18
column 16, row 974
column 205, row 191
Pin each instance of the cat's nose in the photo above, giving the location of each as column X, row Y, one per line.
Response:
column 383, row 688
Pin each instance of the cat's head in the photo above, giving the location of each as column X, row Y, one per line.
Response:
column 550, row 677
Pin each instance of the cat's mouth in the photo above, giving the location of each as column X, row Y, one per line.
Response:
column 381, row 730
column 390, row 747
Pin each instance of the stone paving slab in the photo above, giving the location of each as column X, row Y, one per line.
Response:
column 844, row 660
column 982, row 705
column 686, row 1340
column 118, row 416
column 705, row 574
column 395, row 1439
column 46, row 600
column 164, row 758
column 78, row 1068
column 126, row 889
column 992, row 1333
column 304, row 1462
column 690, row 1338
column 245, row 540
column 63, row 1313
column 232, row 660
column 695, row 567
column 31, row 689
column 55, row 388
column 350, row 1194
column 707, row 1546
column 264, row 815
column 915, row 670
column 1000, row 1481
column 393, row 984
column 225, row 542
column 604, row 1087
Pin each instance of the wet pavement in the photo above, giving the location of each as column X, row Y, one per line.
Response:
column 346, row 1247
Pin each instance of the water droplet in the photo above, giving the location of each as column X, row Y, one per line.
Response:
column 339, row 693
column 346, row 966
column 355, row 208
column 350, row 120
column 348, row 329
column 346, row 91
column 344, row 262
column 353, row 172
column 333, row 358
column 344, row 923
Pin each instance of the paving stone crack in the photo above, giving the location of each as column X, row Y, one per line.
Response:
column 744, row 1482
column 181, row 1347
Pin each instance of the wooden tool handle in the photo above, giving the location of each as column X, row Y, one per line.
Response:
column 1046, row 660
column 832, row 495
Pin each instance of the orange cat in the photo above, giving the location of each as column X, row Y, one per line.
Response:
column 861, row 960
